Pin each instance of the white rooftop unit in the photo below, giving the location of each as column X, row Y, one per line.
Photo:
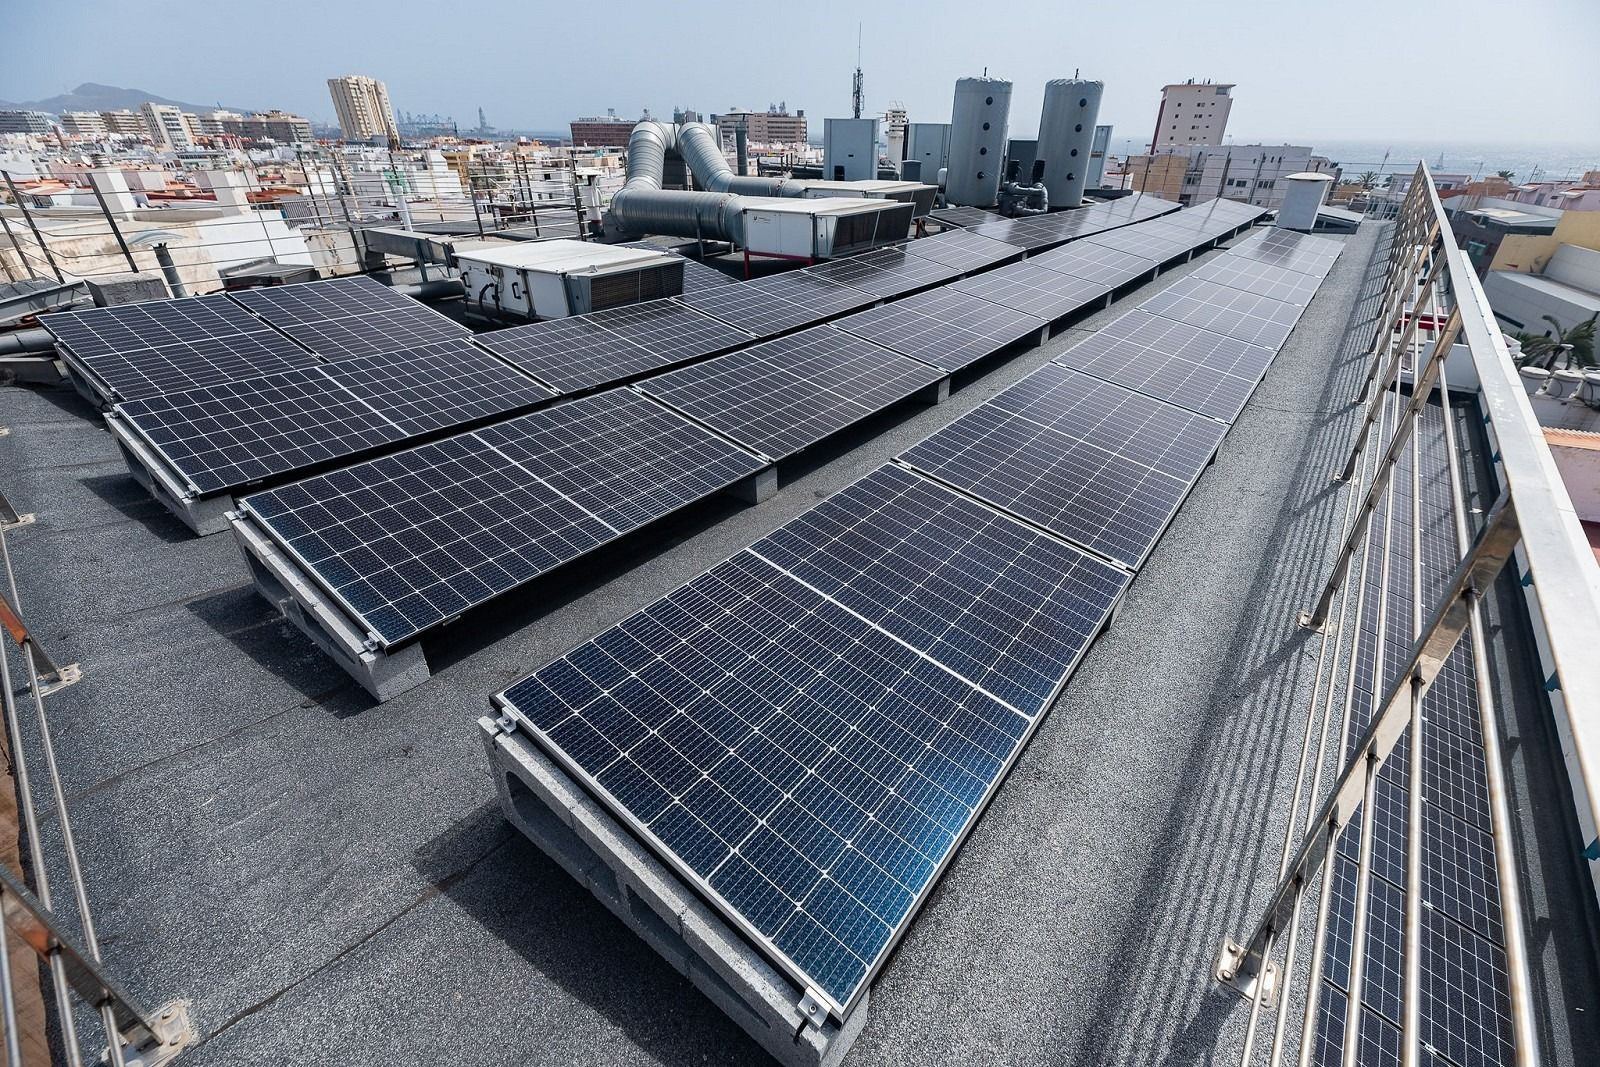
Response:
column 1303, row 197
column 554, row 279
column 907, row 192
column 822, row 228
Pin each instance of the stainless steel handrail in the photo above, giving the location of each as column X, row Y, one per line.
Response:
column 1431, row 304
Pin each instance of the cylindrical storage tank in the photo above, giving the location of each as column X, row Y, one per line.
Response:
column 1565, row 383
column 1066, row 137
column 977, row 141
column 1303, row 196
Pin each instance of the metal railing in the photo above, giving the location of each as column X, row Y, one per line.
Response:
column 301, row 210
column 77, row 974
column 1431, row 306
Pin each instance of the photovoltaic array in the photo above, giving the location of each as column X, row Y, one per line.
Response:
column 140, row 350
column 1465, row 1005
column 807, row 731
column 230, row 435
column 349, row 316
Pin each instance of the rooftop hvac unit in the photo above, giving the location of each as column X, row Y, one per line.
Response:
column 905, row 191
column 554, row 279
column 812, row 229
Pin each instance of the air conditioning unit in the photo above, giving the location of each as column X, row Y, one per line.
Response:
column 826, row 228
column 554, row 279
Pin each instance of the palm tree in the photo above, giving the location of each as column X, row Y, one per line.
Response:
column 1542, row 351
column 1367, row 179
column 1506, row 174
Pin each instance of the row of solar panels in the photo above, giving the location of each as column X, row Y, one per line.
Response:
column 243, row 430
column 807, row 731
column 1465, row 1007
column 643, row 452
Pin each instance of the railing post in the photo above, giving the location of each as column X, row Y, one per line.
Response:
column 27, row 215
column 1240, row 963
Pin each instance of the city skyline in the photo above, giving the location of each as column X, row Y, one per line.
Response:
column 1356, row 100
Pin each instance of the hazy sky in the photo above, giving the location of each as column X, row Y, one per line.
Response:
column 1525, row 72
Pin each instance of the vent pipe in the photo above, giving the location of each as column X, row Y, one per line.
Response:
column 642, row 206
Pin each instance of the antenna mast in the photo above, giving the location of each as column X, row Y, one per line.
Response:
column 856, row 93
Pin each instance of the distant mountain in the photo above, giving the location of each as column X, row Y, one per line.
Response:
column 94, row 97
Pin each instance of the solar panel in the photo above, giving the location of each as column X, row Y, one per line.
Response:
column 142, row 350
column 963, row 250
column 779, row 303
column 784, row 395
column 622, row 458
column 1290, row 251
column 349, row 316
column 809, row 771
column 963, row 216
column 1035, row 290
column 447, row 383
column 231, row 434
column 1158, row 248
column 1097, row 263
column 570, row 354
column 1090, row 461
column 411, row 540
column 1196, row 369
column 1257, row 319
column 885, row 272
column 1005, row 607
column 944, row 328
column 1263, row 279
column 1020, row 232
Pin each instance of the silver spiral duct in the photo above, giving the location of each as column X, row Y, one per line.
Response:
column 642, row 206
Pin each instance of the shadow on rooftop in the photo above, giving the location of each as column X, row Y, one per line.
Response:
column 517, row 893
column 255, row 628
column 125, row 494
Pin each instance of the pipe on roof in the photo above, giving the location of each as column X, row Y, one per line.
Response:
column 642, row 206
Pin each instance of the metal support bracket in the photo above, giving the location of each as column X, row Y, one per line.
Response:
column 1307, row 620
column 812, row 1009
column 15, row 520
column 1231, row 961
column 174, row 1031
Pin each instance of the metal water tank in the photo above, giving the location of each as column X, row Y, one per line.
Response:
column 978, row 141
column 1066, row 137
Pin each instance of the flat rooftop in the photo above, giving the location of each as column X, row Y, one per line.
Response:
column 330, row 880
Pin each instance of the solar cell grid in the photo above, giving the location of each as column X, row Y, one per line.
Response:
column 1254, row 276
column 945, row 328
column 621, row 457
column 408, row 541
column 809, row 771
column 1092, row 462
column 570, row 354
column 782, row 302
column 349, row 316
column 885, row 272
column 1209, row 305
column 1084, row 259
column 437, row 386
column 143, row 350
column 963, row 250
column 1158, row 248
column 963, row 216
column 1005, row 607
column 1209, row 373
column 1288, row 250
column 781, row 396
column 1035, row 290
column 234, row 433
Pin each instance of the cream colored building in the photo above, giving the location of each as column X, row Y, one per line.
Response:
column 365, row 113
column 1193, row 113
column 167, row 125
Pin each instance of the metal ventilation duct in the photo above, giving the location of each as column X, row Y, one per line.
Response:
column 1066, row 137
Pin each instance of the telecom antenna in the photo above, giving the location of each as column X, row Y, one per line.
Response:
column 856, row 94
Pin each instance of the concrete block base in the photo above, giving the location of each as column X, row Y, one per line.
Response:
column 111, row 289
column 384, row 673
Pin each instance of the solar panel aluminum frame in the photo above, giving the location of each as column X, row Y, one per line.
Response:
column 816, row 1003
